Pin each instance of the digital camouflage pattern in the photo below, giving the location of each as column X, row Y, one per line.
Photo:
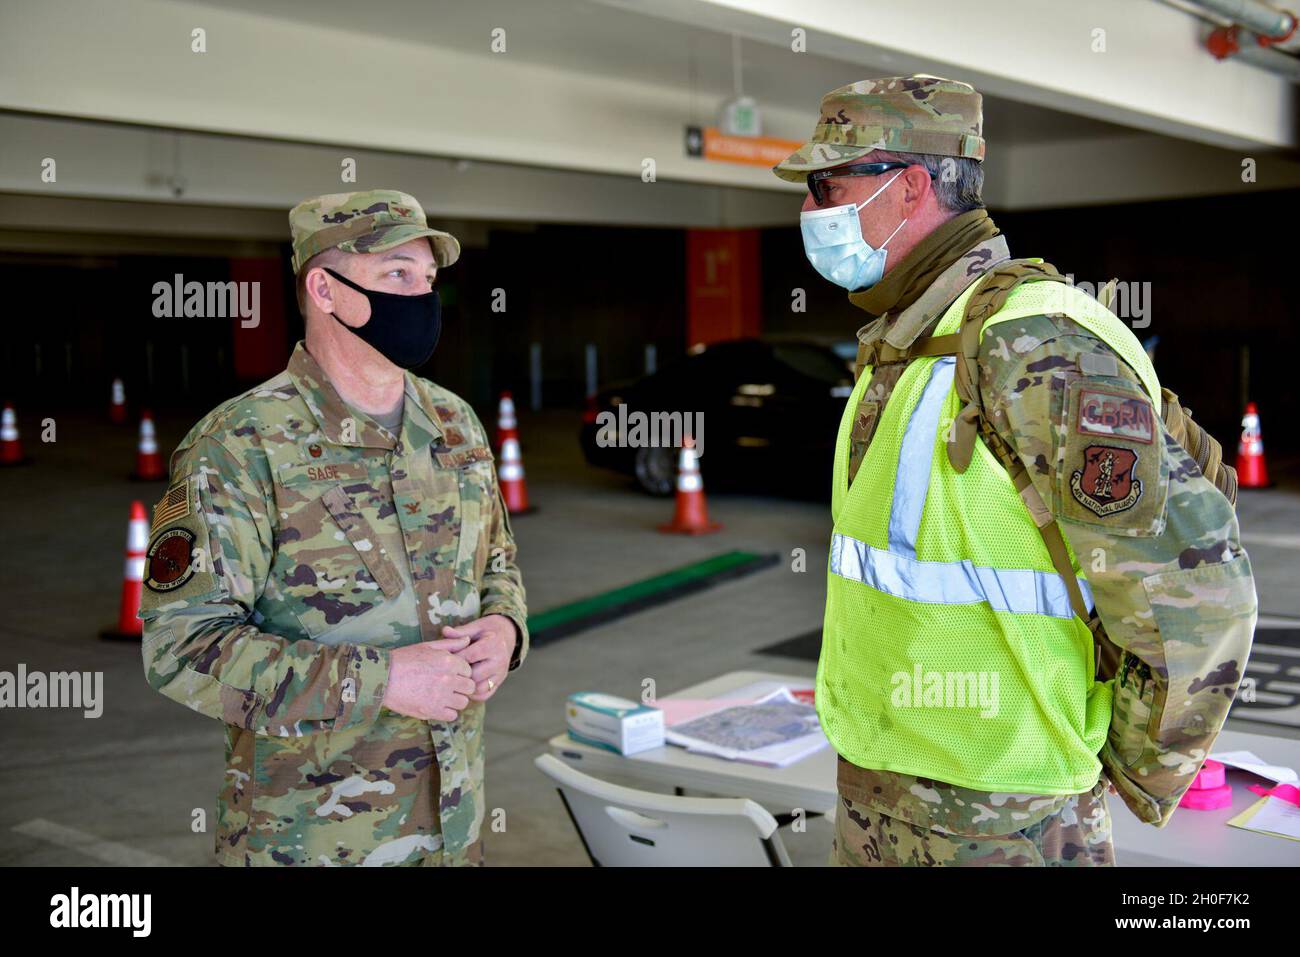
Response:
column 1171, row 582
column 317, row 542
column 905, row 114
column 369, row 221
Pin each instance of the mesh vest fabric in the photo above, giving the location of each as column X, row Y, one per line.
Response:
column 950, row 650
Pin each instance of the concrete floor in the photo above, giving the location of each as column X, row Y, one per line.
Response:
column 123, row 788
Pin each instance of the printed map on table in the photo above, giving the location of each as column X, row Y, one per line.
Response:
column 751, row 726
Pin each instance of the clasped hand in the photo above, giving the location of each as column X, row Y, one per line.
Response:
column 436, row 680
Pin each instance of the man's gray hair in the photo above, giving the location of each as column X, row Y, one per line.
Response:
column 957, row 180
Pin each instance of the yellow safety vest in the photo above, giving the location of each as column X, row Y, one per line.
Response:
column 950, row 650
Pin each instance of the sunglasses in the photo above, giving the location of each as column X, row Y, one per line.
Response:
column 857, row 169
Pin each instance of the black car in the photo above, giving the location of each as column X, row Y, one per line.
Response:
column 770, row 409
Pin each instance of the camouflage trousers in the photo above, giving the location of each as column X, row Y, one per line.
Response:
column 471, row 856
column 1078, row 835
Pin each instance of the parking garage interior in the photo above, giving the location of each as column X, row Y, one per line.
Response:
column 579, row 275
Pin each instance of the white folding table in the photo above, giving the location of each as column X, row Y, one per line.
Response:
column 1191, row 838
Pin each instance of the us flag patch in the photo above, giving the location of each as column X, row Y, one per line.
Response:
column 175, row 504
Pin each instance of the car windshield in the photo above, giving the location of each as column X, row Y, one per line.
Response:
column 821, row 364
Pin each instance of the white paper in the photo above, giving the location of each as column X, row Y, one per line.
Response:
column 1249, row 761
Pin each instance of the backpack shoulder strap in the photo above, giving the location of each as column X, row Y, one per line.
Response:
column 988, row 296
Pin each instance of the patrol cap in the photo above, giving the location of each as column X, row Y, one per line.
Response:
column 906, row 114
column 369, row 221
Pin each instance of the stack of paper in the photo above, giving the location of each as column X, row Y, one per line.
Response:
column 1277, row 813
column 774, row 731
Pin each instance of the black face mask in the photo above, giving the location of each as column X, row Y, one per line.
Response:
column 403, row 329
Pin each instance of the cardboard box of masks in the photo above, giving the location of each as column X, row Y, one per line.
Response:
column 615, row 724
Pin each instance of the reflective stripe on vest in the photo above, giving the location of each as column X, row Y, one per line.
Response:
column 896, row 571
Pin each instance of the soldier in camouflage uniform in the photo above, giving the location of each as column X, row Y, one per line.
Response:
column 1171, row 582
column 338, row 586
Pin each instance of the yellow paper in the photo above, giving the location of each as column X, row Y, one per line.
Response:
column 1282, row 818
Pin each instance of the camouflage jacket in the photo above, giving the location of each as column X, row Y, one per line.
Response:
column 297, row 543
column 1171, row 582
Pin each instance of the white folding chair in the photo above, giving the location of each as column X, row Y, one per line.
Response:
column 624, row 827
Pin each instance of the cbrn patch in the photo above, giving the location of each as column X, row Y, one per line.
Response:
column 1116, row 416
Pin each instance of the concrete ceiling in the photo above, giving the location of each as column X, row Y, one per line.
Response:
column 600, row 40
column 561, row 126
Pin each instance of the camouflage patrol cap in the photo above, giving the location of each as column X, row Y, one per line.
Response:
column 905, row 114
column 369, row 221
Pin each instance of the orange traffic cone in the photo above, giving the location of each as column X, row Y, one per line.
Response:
column 11, row 447
column 1251, row 472
column 148, row 463
column 117, row 403
column 137, row 542
column 692, row 515
column 511, row 477
column 507, row 424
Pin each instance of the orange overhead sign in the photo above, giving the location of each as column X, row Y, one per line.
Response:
column 712, row 144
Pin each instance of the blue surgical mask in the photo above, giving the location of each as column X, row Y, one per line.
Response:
column 832, row 240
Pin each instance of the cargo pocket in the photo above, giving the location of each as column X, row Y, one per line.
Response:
column 1206, row 616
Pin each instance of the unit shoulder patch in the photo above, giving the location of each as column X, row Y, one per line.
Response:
column 169, row 561
column 1106, row 484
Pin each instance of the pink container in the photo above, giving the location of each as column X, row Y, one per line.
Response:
column 1211, row 776
column 1207, row 799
